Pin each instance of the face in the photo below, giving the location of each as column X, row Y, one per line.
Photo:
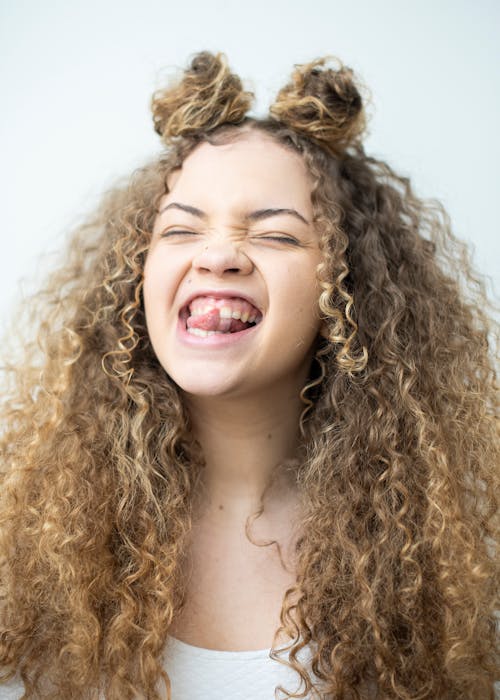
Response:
column 230, row 289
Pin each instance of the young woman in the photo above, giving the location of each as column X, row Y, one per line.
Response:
column 254, row 446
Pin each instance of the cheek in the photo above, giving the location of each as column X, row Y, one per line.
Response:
column 296, row 296
column 153, row 284
column 157, row 295
column 300, row 291
column 161, row 279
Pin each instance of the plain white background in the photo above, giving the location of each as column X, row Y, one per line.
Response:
column 77, row 78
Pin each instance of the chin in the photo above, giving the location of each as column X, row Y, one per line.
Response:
column 206, row 386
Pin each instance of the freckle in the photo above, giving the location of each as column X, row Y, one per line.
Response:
column 221, row 507
column 269, row 436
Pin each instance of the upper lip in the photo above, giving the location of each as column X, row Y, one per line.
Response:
column 219, row 294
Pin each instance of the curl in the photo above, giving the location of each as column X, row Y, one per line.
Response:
column 325, row 105
column 207, row 96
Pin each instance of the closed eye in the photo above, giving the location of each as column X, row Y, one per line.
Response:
column 283, row 239
column 181, row 232
column 177, row 232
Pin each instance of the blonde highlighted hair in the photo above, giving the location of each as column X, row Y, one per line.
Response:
column 397, row 580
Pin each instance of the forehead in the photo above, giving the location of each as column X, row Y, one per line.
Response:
column 253, row 168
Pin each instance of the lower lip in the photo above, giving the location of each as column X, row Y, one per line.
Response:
column 218, row 340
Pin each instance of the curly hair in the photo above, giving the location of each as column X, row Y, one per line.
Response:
column 397, row 580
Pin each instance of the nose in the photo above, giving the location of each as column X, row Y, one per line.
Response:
column 221, row 257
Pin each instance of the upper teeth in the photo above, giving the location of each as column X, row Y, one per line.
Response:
column 225, row 312
column 238, row 309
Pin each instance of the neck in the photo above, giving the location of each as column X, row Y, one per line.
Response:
column 245, row 443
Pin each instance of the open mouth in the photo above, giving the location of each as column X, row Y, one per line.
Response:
column 205, row 317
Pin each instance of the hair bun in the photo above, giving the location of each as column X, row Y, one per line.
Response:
column 324, row 104
column 207, row 95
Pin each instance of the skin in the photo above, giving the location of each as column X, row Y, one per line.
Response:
column 243, row 398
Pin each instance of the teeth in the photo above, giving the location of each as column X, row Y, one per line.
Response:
column 234, row 308
column 251, row 319
column 204, row 334
column 198, row 331
column 226, row 312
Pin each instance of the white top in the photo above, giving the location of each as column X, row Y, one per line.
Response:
column 13, row 690
column 208, row 674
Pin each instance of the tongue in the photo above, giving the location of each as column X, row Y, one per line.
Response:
column 211, row 321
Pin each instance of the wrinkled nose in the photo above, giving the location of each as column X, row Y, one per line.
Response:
column 222, row 257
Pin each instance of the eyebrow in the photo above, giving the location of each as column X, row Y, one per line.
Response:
column 253, row 216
